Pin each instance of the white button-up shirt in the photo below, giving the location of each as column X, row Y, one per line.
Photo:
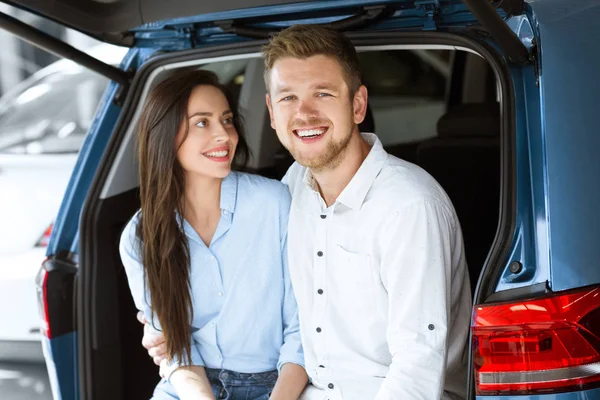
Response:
column 381, row 282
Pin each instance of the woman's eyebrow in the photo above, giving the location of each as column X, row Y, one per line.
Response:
column 208, row 114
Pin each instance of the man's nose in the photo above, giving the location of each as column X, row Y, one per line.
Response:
column 307, row 108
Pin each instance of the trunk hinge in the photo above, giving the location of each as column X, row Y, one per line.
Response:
column 431, row 8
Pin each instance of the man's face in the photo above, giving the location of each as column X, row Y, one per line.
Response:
column 311, row 109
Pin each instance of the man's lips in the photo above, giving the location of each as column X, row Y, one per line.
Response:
column 310, row 133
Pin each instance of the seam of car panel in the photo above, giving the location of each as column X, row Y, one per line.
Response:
column 507, row 216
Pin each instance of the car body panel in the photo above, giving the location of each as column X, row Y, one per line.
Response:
column 569, row 90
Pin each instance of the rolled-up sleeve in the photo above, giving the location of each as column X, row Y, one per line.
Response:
column 416, row 271
column 129, row 248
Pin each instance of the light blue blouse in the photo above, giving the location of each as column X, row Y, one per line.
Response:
column 245, row 317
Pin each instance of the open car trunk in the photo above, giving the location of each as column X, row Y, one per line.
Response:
column 464, row 141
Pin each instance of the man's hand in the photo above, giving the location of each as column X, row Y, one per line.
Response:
column 153, row 341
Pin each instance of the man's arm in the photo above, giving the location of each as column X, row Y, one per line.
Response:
column 190, row 383
column 416, row 270
column 153, row 342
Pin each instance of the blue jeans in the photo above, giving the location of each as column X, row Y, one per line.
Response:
column 228, row 385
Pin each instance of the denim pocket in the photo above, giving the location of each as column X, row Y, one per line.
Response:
column 257, row 392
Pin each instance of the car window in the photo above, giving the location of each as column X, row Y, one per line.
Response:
column 407, row 92
column 52, row 114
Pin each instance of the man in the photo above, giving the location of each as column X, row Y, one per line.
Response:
column 375, row 248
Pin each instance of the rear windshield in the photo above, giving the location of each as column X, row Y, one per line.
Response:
column 52, row 114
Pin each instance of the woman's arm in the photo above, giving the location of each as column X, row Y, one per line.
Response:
column 291, row 382
column 190, row 383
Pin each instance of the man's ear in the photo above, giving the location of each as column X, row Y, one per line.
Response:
column 360, row 104
column 269, row 106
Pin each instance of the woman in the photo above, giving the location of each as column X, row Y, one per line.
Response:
column 206, row 255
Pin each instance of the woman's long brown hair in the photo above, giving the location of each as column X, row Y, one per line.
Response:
column 164, row 248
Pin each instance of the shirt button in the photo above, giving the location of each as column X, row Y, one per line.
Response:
column 225, row 212
column 319, row 330
column 320, row 291
column 330, row 386
column 220, row 294
column 323, row 216
column 320, row 253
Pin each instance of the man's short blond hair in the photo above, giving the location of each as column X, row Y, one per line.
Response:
column 304, row 41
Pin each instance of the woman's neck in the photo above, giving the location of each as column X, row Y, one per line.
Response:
column 202, row 199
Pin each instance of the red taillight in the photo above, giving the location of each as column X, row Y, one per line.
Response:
column 544, row 345
column 43, row 302
column 43, row 241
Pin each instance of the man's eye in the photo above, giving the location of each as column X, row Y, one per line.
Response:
column 201, row 124
column 323, row 94
column 288, row 98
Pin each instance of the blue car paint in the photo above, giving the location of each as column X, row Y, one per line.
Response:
column 183, row 33
column 61, row 359
column 530, row 242
column 569, row 110
column 447, row 7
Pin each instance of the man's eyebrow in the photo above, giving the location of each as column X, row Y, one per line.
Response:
column 283, row 89
column 208, row 114
column 318, row 86
column 327, row 86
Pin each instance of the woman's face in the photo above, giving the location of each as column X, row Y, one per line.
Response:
column 211, row 140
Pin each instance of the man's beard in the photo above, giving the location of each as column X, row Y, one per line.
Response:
column 334, row 151
column 329, row 159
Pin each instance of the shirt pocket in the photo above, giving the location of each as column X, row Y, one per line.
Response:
column 352, row 275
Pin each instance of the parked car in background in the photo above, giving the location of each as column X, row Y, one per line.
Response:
column 43, row 122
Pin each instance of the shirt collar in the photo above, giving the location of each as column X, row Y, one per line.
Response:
column 355, row 192
column 229, row 187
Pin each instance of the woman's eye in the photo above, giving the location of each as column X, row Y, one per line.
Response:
column 201, row 124
column 228, row 121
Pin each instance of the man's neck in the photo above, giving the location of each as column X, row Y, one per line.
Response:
column 332, row 181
